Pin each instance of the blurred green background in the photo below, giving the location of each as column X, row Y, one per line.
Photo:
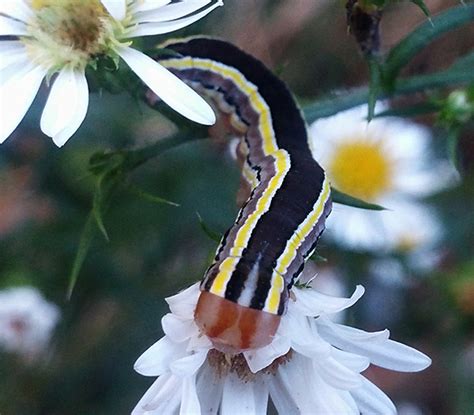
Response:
column 155, row 249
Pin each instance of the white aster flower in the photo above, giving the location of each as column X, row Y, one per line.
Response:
column 313, row 365
column 27, row 321
column 63, row 37
column 387, row 162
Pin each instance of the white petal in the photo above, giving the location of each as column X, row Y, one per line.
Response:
column 351, row 333
column 337, row 375
column 156, row 360
column 11, row 51
column 146, row 29
column 348, row 398
column 381, row 352
column 167, row 397
column 162, row 394
column 66, row 106
column 371, row 400
column 352, row 361
column 146, row 5
column 295, row 326
column 149, row 395
column 188, row 365
column 421, row 183
column 198, row 342
column 279, row 391
column 189, row 398
column 411, row 221
column 184, row 303
column 169, row 87
column 311, row 394
column 178, row 329
column 209, row 389
column 10, row 27
column 116, row 8
column 297, row 378
column 329, row 400
column 172, row 11
column 16, row 95
column 261, row 394
column 303, row 335
column 360, row 229
column 261, row 358
column 312, row 303
column 238, row 397
column 17, row 9
column 14, row 67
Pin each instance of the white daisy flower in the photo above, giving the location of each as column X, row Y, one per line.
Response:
column 312, row 366
column 386, row 162
column 27, row 321
column 63, row 37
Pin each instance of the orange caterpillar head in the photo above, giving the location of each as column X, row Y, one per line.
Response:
column 234, row 328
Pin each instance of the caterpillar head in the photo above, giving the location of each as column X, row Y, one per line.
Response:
column 231, row 327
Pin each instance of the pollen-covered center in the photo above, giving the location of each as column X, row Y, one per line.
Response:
column 361, row 168
column 223, row 364
column 66, row 32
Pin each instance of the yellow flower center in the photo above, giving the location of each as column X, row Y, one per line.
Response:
column 74, row 23
column 361, row 168
column 69, row 32
column 407, row 243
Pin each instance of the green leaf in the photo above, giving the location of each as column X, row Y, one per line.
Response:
column 98, row 206
column 107, row 163
column 421, row 4
column 374, row 86
column 345, row 199
column 411, row 111
column 151, row 198
column 343, row 100
column 447, row 78
column 215, row 236
column 84, row 244
column 422, row 36
column 335, row 102
column 464, row 62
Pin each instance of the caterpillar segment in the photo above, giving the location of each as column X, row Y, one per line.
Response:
column 245, row 290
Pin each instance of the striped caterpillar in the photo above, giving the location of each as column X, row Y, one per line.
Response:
column 245, row 290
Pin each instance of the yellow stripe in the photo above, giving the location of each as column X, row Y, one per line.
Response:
column 270, row 148
column 249, row 89
column 250, row 175
column 282, row 165
column 273, row 300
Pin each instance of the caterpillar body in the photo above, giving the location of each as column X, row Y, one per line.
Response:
column 246, row 289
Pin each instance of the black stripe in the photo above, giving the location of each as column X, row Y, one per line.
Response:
column 301, row 187
column 287, row 119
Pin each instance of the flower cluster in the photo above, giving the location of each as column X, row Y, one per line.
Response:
column 43, row 38
column 313, row 365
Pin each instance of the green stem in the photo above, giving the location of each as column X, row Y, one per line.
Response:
column 332, row 105
column 136, row 158
column 115, row 165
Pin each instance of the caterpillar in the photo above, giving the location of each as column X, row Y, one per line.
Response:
column 245, row 290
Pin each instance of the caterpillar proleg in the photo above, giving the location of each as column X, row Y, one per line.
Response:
column 246, row 288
